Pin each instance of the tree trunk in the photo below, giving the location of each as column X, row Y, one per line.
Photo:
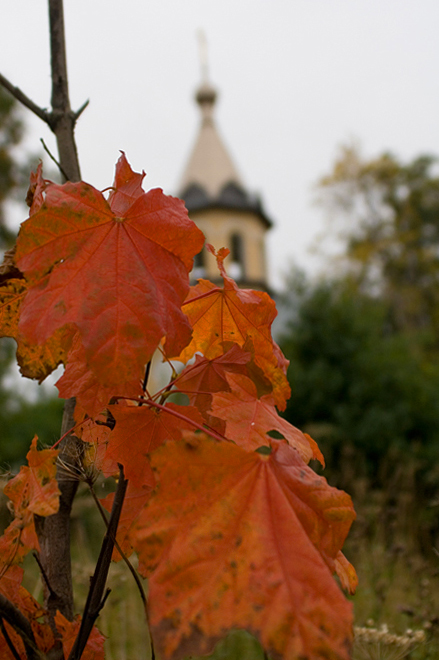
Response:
column 54, row 531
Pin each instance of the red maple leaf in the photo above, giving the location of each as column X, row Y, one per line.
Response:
column 94, row 649
column 201, row 379
column 33, row 491
column 140, row 430
column 92, row 394
column 249, row 419
column 99, row 264
column 236, row 539
column 235, row 315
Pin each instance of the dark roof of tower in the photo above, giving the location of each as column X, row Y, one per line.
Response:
column 210, row 179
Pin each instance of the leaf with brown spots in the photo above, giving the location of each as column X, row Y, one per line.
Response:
column 139, row 431
column 35, row 361
column 236, row 539
column 99, row 264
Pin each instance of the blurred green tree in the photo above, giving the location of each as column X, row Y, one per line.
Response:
column 355, row 382
column 391, row 231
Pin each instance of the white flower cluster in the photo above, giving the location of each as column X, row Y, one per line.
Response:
column 369, row 640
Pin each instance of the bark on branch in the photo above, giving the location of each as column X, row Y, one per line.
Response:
column 54, row 531
column 96, row 597
column 61, row 118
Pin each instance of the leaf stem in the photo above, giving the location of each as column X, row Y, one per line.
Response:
column 202, row 295
column 170, row 411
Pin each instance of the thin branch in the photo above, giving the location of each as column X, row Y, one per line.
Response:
column 80, row 110
column 43, row 574
column 22, row 627
column 130, row 568
column 49, row 153
column 146, row 378
column 95, row 600
column 153, row 404
column 8, row 640
column 104, row 600
column 25, row 100
column 62, row 118
column 119, row 549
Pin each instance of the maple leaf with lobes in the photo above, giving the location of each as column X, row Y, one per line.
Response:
column 34, row 490
column 249, row 419
column 99, row 265
column 236, row 539
column 235, row 315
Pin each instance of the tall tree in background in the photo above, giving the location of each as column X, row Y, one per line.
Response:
column 369, row 395
column 355, row 381
column 391, row 231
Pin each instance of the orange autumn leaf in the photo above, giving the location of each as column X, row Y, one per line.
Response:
column 35, row 361
column 91, row 393
column 10, row 582
column 236, row 539
column 346, row 573
column 204, row 377
column 249, row 419
column 33, row 612
column 94, row 649
column 140, row 430
column 33, row 491
column 99, row 264
column 18, row 539
column 235, row 315
column 38, row 361
column 12, row 293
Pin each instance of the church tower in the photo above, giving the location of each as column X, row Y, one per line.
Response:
column 221, row 206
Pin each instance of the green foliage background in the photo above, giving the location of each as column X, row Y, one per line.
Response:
column 364, row 347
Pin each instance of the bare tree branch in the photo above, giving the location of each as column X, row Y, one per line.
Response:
column 52, row 157
column 80, row 110
column 25, row 100
column 9, row 641
column 96, row 597
column 22, row 627
column 62, row 118
column 54, row 531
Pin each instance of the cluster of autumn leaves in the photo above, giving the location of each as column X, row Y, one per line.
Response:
column 231, row 526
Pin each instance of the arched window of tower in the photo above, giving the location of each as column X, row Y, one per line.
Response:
column 236, row 267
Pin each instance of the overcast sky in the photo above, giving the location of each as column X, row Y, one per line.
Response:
column 297, row 78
